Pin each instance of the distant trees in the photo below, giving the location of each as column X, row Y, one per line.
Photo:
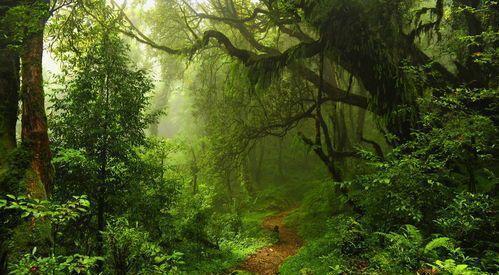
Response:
column 339, row 49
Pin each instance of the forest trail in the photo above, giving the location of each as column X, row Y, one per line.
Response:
column 267, row 260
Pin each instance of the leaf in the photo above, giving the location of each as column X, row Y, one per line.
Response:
column 439, row 242
column 460, row 269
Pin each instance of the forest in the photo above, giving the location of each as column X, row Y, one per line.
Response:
column 249, row 137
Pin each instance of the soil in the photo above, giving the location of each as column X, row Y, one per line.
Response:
column 267, row 260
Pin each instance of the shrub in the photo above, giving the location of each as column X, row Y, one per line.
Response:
column 469, row 218
column 128, row 250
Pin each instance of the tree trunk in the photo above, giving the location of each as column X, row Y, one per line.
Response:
column 34, row 120
column 9, row 98
column 9, row 95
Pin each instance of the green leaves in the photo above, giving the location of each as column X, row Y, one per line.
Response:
column 439, row 242
column 469, row 217
column 449, row 266
column 20, row 21
column 58, row 265
column 130, row 250
column 58, row 214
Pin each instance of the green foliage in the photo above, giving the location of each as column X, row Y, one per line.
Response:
column 420, row 178
column 59, row 214
column 469, row 218
column 129, row 250
column 58, row 265
column 44, row 214
column 449, row 266
column 428, row 203
column 100, row 147
column 12, row 174
column 113, row 96
column 20, row 21
column 316, row 208
column 231, row 247
column 332, row 251
column 404, row 252
column 400, row 193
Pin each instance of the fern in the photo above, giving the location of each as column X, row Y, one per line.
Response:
column 413, row 234
column 439, row 242
column 449, row 266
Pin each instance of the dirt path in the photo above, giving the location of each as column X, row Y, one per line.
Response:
column 267, row 260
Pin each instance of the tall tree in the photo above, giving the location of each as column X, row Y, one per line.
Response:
column 101, row 113
column 9, row 90
column 34, row 119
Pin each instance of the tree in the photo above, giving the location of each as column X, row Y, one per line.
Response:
column 101, row 113
column 9, row 92
column 34, row 120
column 22, row 40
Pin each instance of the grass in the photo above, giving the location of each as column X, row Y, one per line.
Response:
column 312, row 219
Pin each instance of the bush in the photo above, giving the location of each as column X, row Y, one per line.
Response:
column 58, row 265
column 469, row 218
column 128, row 250
column 332, row 252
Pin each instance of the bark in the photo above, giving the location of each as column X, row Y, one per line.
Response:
column 9, row 94
column 34, row 119
column 9, row 108
column 9, row 98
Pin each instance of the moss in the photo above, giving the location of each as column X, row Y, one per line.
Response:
column 13, row 173
column 34, row 185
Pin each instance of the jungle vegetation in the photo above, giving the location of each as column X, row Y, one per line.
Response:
column 155, row 136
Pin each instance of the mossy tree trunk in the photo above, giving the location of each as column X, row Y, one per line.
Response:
column 9, row 95
column 9, row 99
column 34, row 119
column 9, row 107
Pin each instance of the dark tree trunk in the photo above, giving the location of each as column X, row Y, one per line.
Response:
column 9, row 108
column 34, row 120
column 9, row 98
